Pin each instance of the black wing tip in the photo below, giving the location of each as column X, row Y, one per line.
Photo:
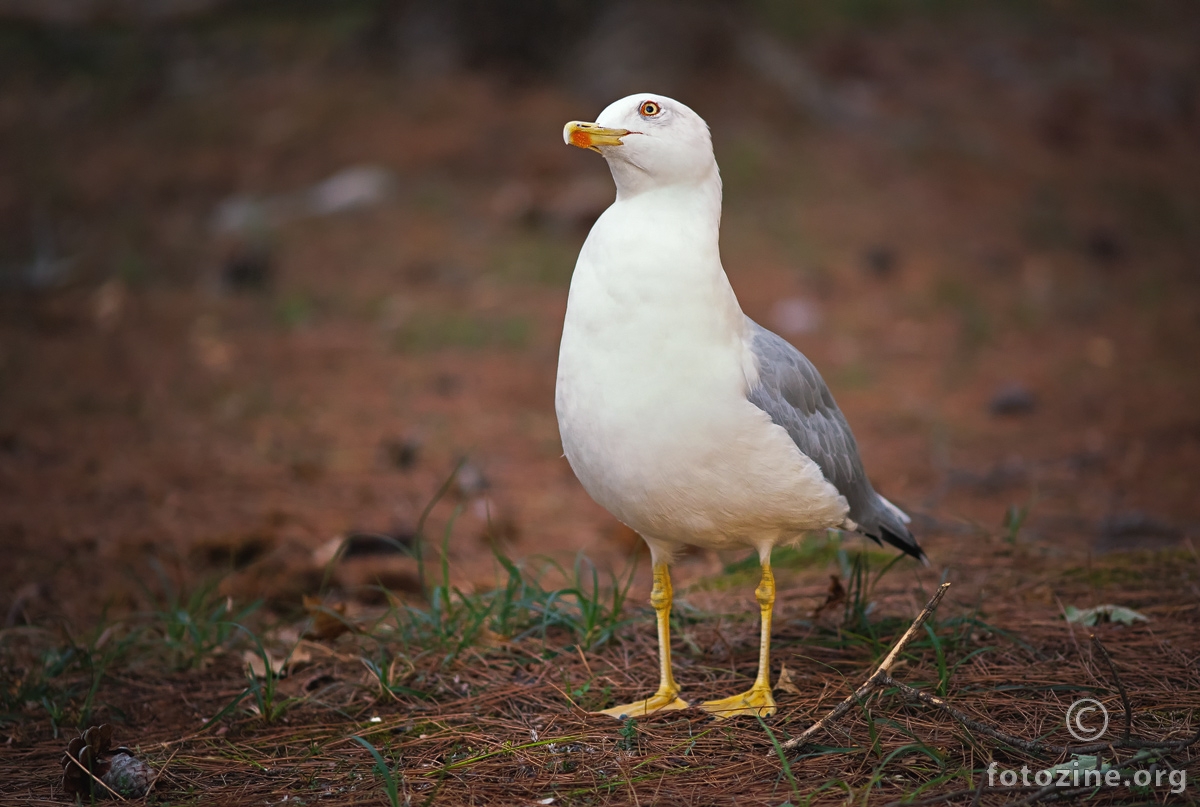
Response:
column 906, row 543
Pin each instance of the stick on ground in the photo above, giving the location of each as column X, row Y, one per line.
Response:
column 1112, row 668
column 877, row 677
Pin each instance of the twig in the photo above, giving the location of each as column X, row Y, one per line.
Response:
column 881, row 678
column 1028, row 746
column 1134, row 742
column 583, row 658
column 881, row 672
column 161, row 771
column 1120, row 687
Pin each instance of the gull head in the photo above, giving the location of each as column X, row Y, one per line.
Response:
column 649, row 141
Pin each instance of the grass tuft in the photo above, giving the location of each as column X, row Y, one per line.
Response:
column 191, row 626
column 391, row 776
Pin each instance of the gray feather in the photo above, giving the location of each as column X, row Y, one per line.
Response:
column 793, row 393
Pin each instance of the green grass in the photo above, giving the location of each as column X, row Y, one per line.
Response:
column 744, row 163
column 294, row 310
column 390, row 775
column 975, row 326
column 783, row 760
column 814, row 549
column 451, row 621
column 861, row 570
column 60, row 680
column 1014, row 519
column 1116, row 569
column 857, row 375
column 540, row 258
column 191, row 626
column 411, row 648
column 264, row 690
column 406, row 651
column 427, row 332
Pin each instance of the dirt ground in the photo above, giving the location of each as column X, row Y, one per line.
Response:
column 991, row 252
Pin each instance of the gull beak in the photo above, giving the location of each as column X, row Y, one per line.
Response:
column 591, row 135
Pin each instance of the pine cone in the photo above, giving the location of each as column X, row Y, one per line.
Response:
column 91, row 752
column 117, row 768
column 128, row 775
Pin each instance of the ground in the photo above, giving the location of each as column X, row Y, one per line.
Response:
column 988, row 247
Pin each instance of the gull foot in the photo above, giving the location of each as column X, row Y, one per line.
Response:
column 658, row 702
column 755, row 701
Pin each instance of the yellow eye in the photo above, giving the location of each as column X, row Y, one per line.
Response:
column 649, row 109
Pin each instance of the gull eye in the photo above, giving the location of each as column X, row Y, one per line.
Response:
column 649, row 109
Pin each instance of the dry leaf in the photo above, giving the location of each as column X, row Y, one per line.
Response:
column 1103, row 613
column 489, row 638
column 329, row 621
column 785, row 682
column 835, row 596
column 326, row 552
column 258, row 667
column 300, row 656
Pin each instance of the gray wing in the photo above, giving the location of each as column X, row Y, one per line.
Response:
column 793, row 393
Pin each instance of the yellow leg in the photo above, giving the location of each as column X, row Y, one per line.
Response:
column 667, row 696
column 757, row 700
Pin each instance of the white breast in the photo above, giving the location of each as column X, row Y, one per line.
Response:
column 651, row 396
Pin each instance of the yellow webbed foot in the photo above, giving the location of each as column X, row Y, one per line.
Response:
column 658, row 702
column 755, row 701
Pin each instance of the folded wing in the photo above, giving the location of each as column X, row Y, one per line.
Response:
column 793, row 393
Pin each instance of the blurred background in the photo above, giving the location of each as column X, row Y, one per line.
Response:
column 270, row 271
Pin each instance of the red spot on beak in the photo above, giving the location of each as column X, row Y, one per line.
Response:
column 581, row 139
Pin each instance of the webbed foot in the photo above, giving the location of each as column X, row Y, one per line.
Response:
column 755, row 701
column 658, row 702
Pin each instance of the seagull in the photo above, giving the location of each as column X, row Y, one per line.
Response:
column 680, row 415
